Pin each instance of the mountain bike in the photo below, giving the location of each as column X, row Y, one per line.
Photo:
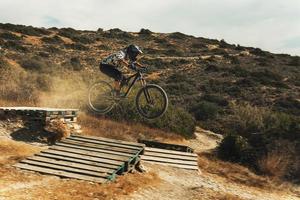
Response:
column 151, row 100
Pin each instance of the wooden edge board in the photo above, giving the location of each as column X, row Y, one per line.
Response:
column 60, row 173
column 150, row 149
column 93, row 149
column 135, row 144
column 190, row 167
column 166, row 160
column 84, row 157
column 63, row 168
column 89, row 153
column 99, row 146
column 71, row 164
column 103, row 142
column 163, row 155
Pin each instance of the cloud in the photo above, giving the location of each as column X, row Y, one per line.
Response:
column 267, row 24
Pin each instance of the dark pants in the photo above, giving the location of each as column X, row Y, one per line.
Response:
column 111, row 71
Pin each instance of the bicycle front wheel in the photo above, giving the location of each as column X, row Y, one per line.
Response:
column 151, row 101
column 101, row 97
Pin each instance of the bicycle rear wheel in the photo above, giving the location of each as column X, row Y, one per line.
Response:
column 151, row 101
column 101, row 97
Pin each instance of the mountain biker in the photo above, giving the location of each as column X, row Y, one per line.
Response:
column 113, row 65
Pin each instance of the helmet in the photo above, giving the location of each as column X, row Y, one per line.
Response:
column 133, row 51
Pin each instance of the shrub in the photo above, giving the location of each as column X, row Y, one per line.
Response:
column 294, row 61
column 267, row 77
column 177, row 35
column 38, row 64
column 218, row 99
column 52, row 40
column 15, row 45
column 145, row 32
column 33, row 63
column 258, row 52
column 67, row 32
column 77, row 46
column 52, row 49
column 234, row 148
column 82, row 39
column 198, row 45
column 239, row 71
column 27, row 30
column 205, row 110
column 224, row 44
column 289, row 105
column 239, row 48
column 175, row 119
column 9, row 36
column 75, row 63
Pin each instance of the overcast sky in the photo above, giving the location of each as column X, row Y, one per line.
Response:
column 272, row 25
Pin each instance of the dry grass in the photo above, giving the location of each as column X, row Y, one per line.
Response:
column 208, row 163
column 280, row 160
column 59, row 129
column 12, row 151
column 99, row 126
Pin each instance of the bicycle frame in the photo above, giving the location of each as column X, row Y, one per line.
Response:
column 137, row 76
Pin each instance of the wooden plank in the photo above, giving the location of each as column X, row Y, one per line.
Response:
column 85, row 157
column 95, row 150
column 60, row 173
column 163, row 155
column 98, row 146
column 166, row 160
column 97, row 138
column 191, row 167
column 105, row 143
column 76, row 160
column 88, row 153
column 73, row 165
column 63, row 168
column 150, row 149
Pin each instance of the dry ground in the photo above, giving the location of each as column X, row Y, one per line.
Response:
column 217, row 179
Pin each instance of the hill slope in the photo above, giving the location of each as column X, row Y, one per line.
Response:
column 228, row 88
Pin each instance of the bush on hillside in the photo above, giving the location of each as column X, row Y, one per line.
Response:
column 205, row 110
column 235, row 148
column 15, row 45
column 38, row 64
column 52, row 40
column 27, row 30
column 146, row 32
column 294, row 61
column 177, row 35
column 9, row 36
column 76, row 64
column 77, row 46
column 175, row 119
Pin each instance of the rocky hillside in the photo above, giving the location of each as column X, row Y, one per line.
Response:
column 246, row 92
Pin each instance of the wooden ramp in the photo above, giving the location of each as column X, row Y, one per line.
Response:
column 178, row 159
column 42, row 113
column 88, row 158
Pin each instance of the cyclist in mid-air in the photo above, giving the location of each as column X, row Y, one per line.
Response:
column 115, row 64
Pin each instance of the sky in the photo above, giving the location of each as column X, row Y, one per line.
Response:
column 272, row 25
